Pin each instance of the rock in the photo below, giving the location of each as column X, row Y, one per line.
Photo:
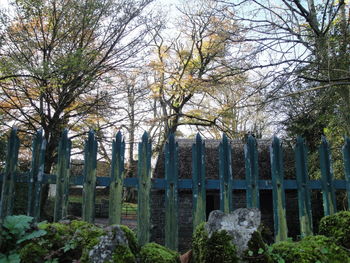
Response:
column 240, row 225
column 115, row 240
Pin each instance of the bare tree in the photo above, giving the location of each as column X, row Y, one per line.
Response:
column 300, row 43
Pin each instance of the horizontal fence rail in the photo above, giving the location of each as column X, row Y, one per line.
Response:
column 160, row 183
column 172, row 183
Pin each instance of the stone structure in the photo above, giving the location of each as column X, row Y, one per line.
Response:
column 212, row 197
column 240, row 225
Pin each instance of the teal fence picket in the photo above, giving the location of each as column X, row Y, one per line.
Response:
column 328, row 192
column 171, row 193
column 90, row 164
column 346, row 156
column 198, row 182
column 225, row 174
column 63, row 175
column 252, row 172
column 144, row 188
column 304, row 198
column 9, row 178
column 117, row 176
column 36, row 175
column 278, row 194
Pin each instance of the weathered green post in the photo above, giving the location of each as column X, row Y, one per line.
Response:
column 144, row 188
column 304, row 199
column 225, row 174
column 198, row 182
column 9, row 179
column 36, row 175
column 328, row 192
column 252, row 172
column 62, row 179
column 117, row 176
column 90, row 164
column 346, row 156
column 171, row 193
column 279, row 203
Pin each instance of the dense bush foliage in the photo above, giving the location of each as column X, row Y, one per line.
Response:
column 337, row 227
column 155, row 253
column 312, row 249
column 21, row 240
column 217, row 248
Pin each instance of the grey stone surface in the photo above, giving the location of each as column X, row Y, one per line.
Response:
column 103, row 251
column 240, row 225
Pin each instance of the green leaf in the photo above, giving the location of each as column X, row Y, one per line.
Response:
column 12, row 258
column 260, row 251
column 35, row 234
column 17, row 225
column 324, row 250
column 250, row 253
column 70, row 245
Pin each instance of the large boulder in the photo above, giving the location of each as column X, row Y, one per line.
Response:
column 118, row 245
column 239, row 224
column 224, row 238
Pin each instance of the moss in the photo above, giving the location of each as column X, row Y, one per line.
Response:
column 132, row 240
column 337, row 227
column 311, row 249
column 123, row 254
column 257, row 250
column 33, row 252
column 217, row 248
column 68, row 241
column 154, row 253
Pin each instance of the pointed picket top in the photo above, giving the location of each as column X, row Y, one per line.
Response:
column 279, row 203
column 145, row 137
column 346, row 157
column 198, row 182
column 198, row 139
column 304, row 197
column 328, row 191
column 252, row 172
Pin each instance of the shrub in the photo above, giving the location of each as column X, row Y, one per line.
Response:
column 257, row 250
column 155, row 253
column 217, row 248
column 337, row 227
column 312, row 249
column 14, row 232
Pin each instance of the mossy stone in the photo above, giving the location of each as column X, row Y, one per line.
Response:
column 123, row 254
column 257, row 251
column 132, row 240
column 337, row 227
column 155, row 253
column 311, row 249
column 67, row 241
column 217, row 248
